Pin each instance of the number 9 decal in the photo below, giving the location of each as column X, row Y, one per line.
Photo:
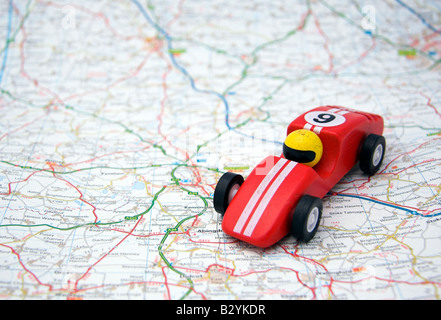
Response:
column 324, row 119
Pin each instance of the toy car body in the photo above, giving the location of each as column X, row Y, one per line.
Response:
column 281, row 195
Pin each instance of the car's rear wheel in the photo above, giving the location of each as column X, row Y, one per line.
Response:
column 372, row 153
column 306, row 218
column 226, row 189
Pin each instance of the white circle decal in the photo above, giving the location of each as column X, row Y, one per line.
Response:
column 324, row 119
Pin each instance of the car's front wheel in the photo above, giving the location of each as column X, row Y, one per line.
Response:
column 226, row 189
column 306, row 218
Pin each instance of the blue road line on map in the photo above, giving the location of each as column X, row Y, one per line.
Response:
column 181, row 68
column 413, row 212
column 5, row 56
column 427, row 24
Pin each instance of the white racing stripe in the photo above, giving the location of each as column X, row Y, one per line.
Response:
column 267, row 198
column 310, row 127
column 317, row 129
column 257, row 194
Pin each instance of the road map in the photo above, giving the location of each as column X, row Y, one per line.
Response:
column 119, row 117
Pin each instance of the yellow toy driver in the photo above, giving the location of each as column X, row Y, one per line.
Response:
column 303, row 146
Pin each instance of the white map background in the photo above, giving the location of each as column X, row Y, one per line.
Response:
column 118, row 117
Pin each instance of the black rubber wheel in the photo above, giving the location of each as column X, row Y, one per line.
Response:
column 226, row 188
column 372, row 153
column 306, row 218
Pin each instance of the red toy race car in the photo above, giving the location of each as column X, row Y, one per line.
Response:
column 281, row 195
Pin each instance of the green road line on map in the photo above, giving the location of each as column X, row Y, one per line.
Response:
column 155, row 197
column 175, row 229
column 82, row 169
column 161, row 254
column 7, row 93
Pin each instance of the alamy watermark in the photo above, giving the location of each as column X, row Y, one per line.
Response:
column 368, row 22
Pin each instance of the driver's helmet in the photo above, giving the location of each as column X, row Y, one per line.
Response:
column 303, row 146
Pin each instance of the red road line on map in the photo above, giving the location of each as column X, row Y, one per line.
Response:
column 187, row 232
column 14, row 182
column 221, row 268
column 303, row 20
column 326, row 46
column 53, row 173
column 165, row 282
column 429, row 103
column 78, row 190
column 25, row 268
column 147, row 235
column 297, row 256
column 104, row 256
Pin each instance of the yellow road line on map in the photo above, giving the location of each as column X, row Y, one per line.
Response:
column 437, row 188
column 27, row 237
